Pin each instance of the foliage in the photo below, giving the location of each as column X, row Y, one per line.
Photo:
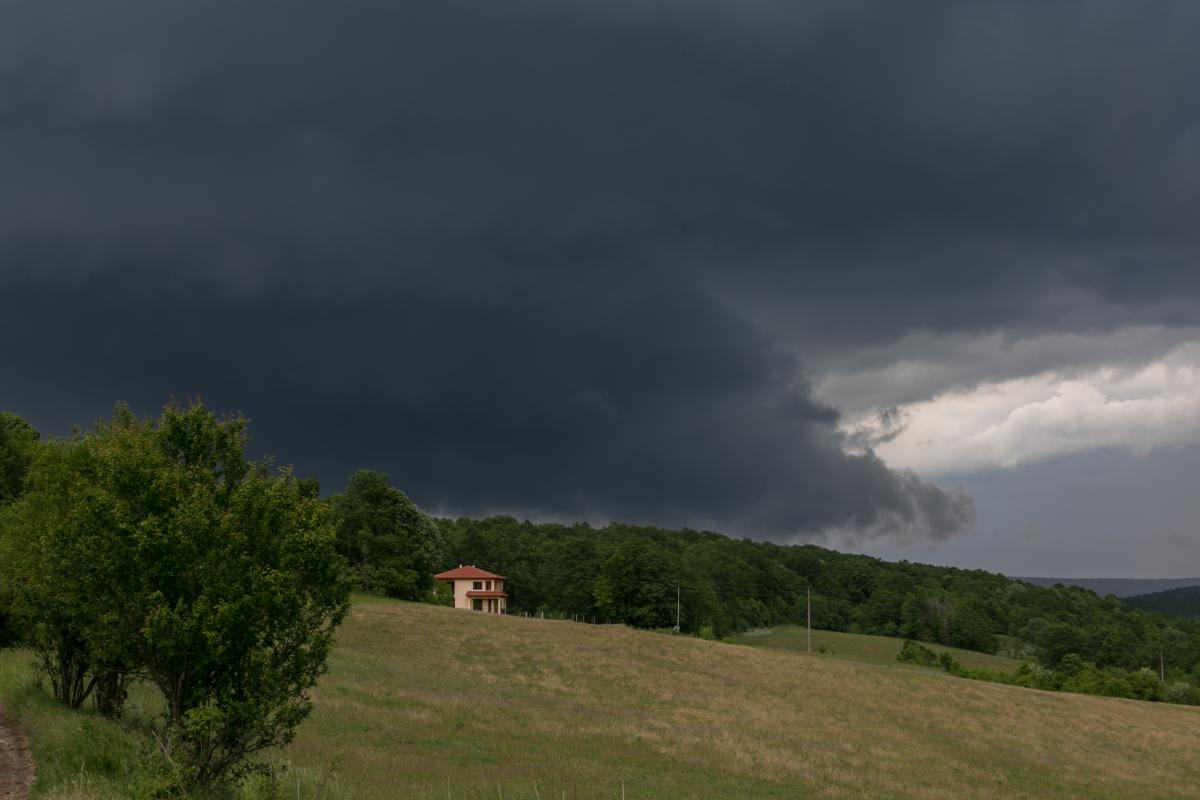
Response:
column 1184, row 602
column 18, row 445
column 443, row 594
column 914, row 653
column 46, row 560
column 630, row 589
column 391, row 545
column 155, row 548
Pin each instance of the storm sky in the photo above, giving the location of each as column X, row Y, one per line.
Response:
column 915, row 279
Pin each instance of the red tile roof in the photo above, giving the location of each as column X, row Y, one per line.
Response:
column 467, row 573
column 486, row 594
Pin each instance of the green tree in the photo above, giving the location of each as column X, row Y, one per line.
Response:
column 1058, row 640
column 392, row 546
column 634, row 587
column 18, row 445
column 308, row 487
column 157, row 548
column 44, row 551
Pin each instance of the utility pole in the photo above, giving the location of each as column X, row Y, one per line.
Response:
column 677, row 609
column 810, row 620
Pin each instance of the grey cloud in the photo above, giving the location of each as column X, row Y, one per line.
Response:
column 593, row 399
column 877, row 379
column 580, row 258
column 889, row 423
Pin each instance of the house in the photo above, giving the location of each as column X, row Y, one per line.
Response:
column 477, row 589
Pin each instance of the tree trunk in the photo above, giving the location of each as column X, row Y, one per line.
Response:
column 112, row 688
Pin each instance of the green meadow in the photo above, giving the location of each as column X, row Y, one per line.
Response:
column 860, row 647
column 429, row 702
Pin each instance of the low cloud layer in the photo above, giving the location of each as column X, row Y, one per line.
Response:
column 1008, row 423
column 588, row 399
column 925, row 365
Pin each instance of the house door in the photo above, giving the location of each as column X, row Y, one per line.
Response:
column 477, row 604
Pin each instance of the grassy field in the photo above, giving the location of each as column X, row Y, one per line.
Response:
column 859, row 647
column 429, row 702
column 78, row 756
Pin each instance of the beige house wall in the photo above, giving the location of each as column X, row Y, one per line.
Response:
column 460, row 594
column 462, row 601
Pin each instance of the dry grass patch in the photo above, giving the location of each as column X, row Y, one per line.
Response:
column 431, row 702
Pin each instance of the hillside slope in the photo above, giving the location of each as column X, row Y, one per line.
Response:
column 861, row 647
column 1184, row 602
column 1119, row 587
column 428, row 702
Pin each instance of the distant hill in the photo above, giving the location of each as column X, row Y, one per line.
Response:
column 1121, row 587
column 1182, row 602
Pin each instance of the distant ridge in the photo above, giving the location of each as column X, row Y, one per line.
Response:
column 1182, row 602
column 1121, row 587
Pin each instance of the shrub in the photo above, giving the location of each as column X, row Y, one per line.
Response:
column 1035, row 676
column 19, row 444
column 915, row 653
column 156, row 547
column 1181, row 692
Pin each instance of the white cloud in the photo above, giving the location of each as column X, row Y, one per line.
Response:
column 924, row 365
column 1011, row 422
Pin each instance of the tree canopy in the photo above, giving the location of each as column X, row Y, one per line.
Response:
column 18, row 441
column 155, row 548
column 392, row 546
column 18, row 445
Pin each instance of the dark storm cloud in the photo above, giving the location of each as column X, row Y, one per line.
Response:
column 573, row 258
column 599, row 400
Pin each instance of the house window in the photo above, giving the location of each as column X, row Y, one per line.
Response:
column 477, row 604
column 477, row 586
column 489, row 586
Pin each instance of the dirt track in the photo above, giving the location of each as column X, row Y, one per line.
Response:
column 16, row 764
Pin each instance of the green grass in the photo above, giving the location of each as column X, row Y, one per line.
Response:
column 427, row 702
column 430, row 702
column 78, row 755
column 860, row 647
